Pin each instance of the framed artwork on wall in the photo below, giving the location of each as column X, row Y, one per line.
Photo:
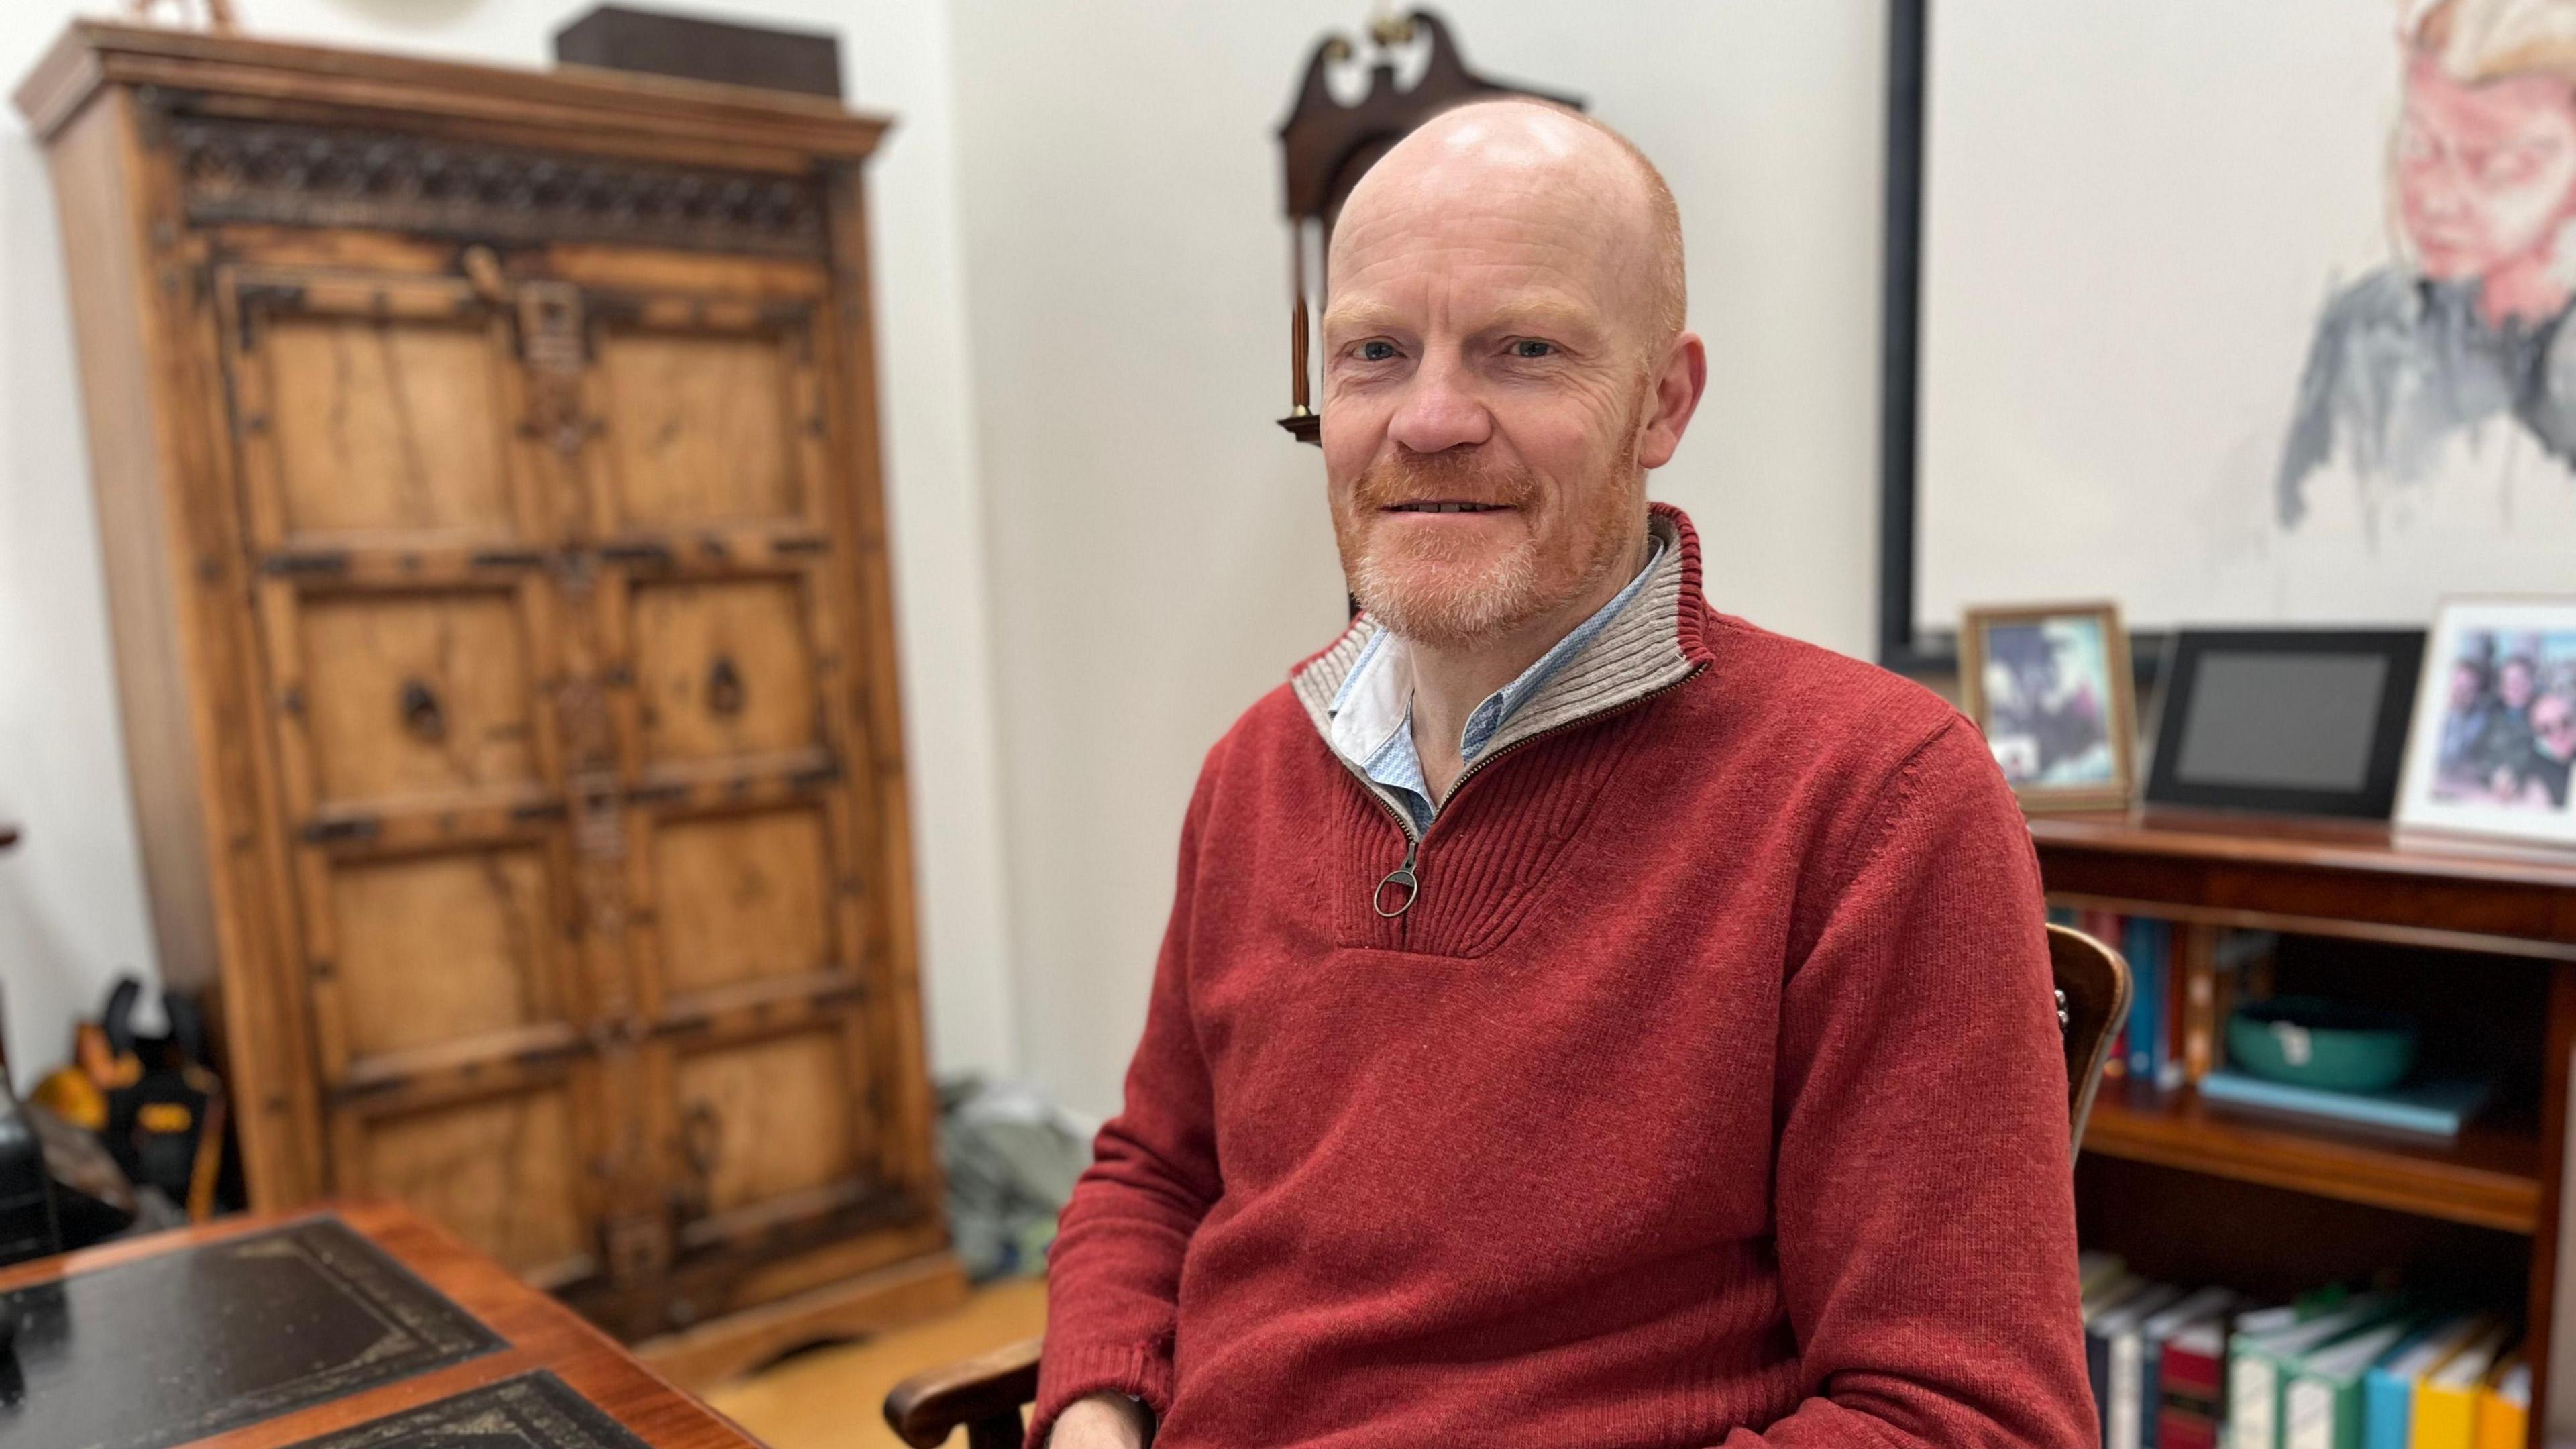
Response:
column 2495, row 722
column 2049, row 686
column 2285, row 721
column 2239, row 316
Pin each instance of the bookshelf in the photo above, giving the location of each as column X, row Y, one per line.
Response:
column 2489, row 1178
column 2465, row 927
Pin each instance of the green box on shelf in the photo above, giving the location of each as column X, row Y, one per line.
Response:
column 2309, row 1041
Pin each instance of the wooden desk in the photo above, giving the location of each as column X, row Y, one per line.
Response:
column 361, row 1327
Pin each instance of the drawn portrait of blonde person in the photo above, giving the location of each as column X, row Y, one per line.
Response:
column 2440, row 391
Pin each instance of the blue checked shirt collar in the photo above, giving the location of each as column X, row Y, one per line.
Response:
column 1372, row 713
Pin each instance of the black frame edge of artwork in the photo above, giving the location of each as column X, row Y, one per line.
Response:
column 1900, row 321
column 2374, row 799
column 1903, row 645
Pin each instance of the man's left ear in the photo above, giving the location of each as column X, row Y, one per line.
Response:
column 1677, row 388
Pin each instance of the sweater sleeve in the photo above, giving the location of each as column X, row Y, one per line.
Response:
column 1924, row 1204
column 1114, row 1273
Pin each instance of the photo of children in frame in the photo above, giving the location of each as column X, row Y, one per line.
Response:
column 2494, row 736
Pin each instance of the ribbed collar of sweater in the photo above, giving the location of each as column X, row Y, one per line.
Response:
column 1648, row 646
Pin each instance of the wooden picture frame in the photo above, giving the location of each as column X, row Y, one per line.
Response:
column 2339, row 764
column 2094, row 749
column 2458, row 777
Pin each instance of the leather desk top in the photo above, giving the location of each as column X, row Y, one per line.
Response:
column 361, row 1327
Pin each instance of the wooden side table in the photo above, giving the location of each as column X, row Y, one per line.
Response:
column 356, row 1327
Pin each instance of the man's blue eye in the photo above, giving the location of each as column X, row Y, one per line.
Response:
column 1532, row 347
column 1376, row 351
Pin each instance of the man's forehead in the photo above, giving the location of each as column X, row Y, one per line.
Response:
column 1535, row 157
column 1485, row 235
column 1468, row 279
column 1450, row 210
column 1482, row 250
column 1462, row 199
column 1498, row 197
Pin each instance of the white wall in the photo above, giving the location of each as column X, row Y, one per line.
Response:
column 1104, row 549
column 1160, row 553
column 71, row 896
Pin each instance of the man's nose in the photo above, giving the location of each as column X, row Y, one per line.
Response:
column 1440, row 412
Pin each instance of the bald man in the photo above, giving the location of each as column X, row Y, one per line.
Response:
column 1586, row 1020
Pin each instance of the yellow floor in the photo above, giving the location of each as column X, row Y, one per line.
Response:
column 834, row 1398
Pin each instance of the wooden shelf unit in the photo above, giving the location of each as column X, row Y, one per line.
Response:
column 2489, row 1178
column 2357, row 882
column 2338, row 878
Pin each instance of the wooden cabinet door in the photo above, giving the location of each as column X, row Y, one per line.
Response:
column 724, row 602
column 556, row 622
column 410, row 639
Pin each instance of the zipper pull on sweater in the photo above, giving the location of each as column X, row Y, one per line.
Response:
column 1403, row 876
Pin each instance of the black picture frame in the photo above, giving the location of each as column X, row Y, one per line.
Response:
column 2403, row 649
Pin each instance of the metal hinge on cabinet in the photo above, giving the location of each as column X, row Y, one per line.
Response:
column 342, row 828
column 257, row 299
column 553, row 341
column 640, row 553
column 816, row 776
column 550, row 326
column 306, row 563
column 657, row 792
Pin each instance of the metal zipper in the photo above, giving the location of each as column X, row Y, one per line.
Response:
column 1402, row 875
column 1408, row 875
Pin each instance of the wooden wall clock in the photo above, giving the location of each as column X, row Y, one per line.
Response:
column 1326, row 146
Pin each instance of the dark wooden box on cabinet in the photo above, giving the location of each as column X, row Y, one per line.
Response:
column 618, row 38
column 488, row 475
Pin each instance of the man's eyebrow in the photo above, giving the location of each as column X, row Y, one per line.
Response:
column 1350, row 316
column 1543, row 314
column 1536, row 314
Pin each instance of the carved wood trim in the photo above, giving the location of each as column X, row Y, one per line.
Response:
column 329, row 176
column 610, row 107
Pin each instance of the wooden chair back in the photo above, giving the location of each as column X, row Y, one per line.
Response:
column 984, row 1395
column 2092, row 1001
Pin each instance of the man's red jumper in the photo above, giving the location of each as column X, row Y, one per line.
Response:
column 1708, row 1092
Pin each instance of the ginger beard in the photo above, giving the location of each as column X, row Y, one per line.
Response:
column 1446, row 588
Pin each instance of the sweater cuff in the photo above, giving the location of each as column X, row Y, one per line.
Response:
column 1082, row 1370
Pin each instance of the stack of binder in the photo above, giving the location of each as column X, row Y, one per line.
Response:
column 2463, row 1402
column 2177, row 1369
column 2389, row 1392
column 2276, row 1347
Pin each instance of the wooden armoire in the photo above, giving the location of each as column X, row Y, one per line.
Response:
column 487, row 469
